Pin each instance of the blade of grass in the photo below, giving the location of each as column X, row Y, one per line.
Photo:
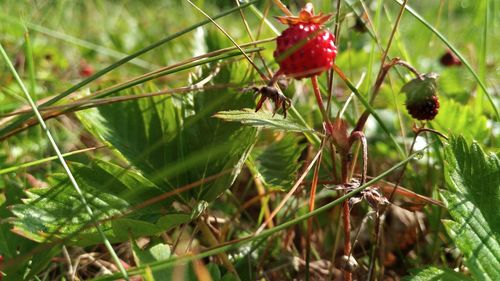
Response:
column 259, row 14
column 177, row 66
column 86, row 104
column 371, row 60
column 264, row 234
column 30, row 62
column 262, row 75
column 118, row 88
column 63, row 162
column 482, row 58
column 47, row 159
column 120, row 62
column 456, row 52
column 31, row 69
column 282, row 7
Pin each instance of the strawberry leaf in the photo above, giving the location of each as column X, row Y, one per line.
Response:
column 51, row 213
column 174, row 141
column 472, row 200
column 277, row 164
column 262, row 119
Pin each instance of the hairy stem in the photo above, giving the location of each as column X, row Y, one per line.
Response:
column 319, row 99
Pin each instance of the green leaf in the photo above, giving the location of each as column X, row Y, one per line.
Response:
column 169, row 221
column 53, row 212
column 419, row 89
column 153, row 253
column 472, row 199
column 456, row 118
column 277, row 164
column 14, row 247
column 434, row 273
column 174, row 141
column 262, row 119
column 156, row 252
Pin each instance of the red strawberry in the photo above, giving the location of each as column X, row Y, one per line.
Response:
column 304, row 49
column 422, row 101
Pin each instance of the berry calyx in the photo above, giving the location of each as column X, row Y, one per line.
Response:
column 305, row 49
column 422, row 101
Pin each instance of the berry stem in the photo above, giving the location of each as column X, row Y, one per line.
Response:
column 275, row 78
column 319, row 99
column 378, row 83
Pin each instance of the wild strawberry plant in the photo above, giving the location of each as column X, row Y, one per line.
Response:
column 248, row 140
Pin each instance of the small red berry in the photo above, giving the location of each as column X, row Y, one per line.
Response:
column 86, row 69
column 305, row 49
column 424, row 109
column 449, row 59
column 422, row 101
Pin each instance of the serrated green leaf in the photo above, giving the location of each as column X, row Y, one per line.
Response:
column 435, row 273
column 277, row 164
column 262, row 119
column 473, row 198
column 174, row 141
column 53, row 212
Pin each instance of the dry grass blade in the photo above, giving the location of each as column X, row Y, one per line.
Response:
column 289, row 194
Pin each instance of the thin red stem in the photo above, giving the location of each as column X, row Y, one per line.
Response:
column 319, row 99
